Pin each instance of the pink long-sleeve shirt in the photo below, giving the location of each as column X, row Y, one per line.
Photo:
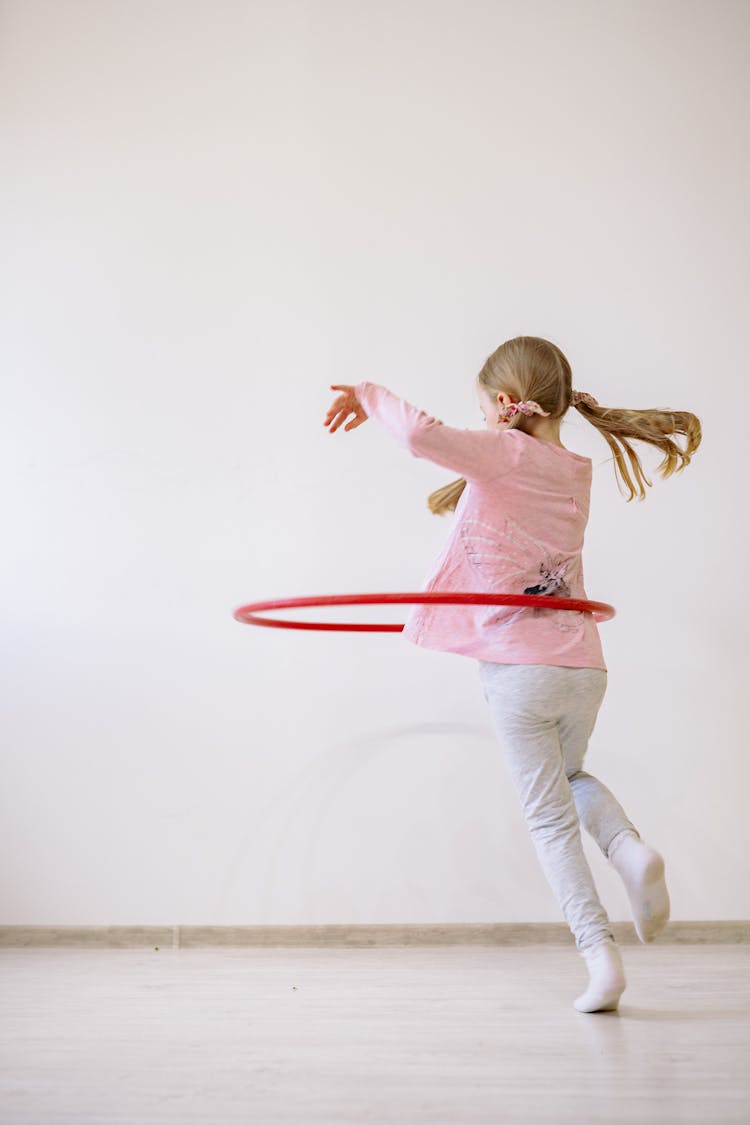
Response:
column 518, row 528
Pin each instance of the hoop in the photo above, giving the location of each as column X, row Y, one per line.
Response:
column 247, row 614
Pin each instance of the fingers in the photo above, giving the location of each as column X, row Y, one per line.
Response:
column 340, row 417
column 338, row 412
column 340, row 401
column 342, row 406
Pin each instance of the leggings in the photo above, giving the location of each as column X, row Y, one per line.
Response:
column 544, row 715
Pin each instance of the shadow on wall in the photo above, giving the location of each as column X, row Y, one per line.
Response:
column 315, row 795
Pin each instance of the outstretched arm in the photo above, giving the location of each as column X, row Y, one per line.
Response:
column 475, row 454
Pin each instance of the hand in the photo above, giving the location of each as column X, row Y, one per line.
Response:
column 346, row 404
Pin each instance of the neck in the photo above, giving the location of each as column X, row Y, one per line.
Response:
column 546, row 429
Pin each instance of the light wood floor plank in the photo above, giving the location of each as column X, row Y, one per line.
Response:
column 404, row 1036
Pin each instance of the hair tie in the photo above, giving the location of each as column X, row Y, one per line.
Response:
column 581, row 396
column 530, row 407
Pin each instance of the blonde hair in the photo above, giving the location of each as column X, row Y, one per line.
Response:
column 529, row 368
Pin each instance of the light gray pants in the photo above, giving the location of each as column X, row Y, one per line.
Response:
column 544, row 715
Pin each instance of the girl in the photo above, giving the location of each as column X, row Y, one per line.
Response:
column 521, row 507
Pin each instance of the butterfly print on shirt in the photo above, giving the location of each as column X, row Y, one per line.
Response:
column 511, row 561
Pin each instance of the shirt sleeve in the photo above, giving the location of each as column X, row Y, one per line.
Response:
column 476, row 455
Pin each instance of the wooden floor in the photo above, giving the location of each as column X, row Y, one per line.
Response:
column 400, row 1035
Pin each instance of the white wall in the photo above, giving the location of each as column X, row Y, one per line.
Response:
column 211, row 212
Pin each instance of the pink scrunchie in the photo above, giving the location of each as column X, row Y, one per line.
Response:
column 512, row 408
column 581, row 396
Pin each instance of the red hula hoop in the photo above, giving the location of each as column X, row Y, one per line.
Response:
column 247, row 614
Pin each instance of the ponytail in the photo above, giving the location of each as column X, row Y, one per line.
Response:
column 619, row 427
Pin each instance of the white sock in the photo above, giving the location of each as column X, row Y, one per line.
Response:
column 641, row 869
column 606, row 979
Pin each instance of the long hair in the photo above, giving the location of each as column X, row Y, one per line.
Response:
column 531, row 368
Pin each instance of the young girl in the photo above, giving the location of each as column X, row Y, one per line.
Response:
column 521, row 508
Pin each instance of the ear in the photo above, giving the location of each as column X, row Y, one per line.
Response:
column 503, row 399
